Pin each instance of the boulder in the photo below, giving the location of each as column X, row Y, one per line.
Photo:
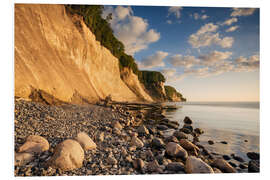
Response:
column 175, row 166
column 85, row 141
column 253, row 155
column 210, row 142
column 142, row 130
column 158, row 143
column 175, row 150
column 136, row 142
column 34, row 144
column 187, row 145
column 223, row 165
column 22, row 159
column 187, row 120
column 180, row 135
column 68, row 155
column 196, row 165
column 253, row 166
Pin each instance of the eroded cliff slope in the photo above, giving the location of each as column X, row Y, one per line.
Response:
column 56, row 53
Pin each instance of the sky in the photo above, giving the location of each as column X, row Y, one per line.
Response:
column 207, row 54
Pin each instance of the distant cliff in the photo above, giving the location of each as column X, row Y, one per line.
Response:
column 173, row 95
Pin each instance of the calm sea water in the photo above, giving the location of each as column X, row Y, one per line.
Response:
column 234, row 122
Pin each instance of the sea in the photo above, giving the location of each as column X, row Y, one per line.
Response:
column 237, row 123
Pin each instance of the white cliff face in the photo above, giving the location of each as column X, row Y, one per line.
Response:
column 54, row 55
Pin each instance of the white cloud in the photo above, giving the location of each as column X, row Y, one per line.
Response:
column 168, row 72
column 214, row 58
column 169, row 22
column 247, row 64
column 232, row 28
column 197, row 16
column 210, row 27
column 179, row 60
column 204, row 16
column 206, row 36
column 243, row 11
column 176, row 10
column 230, row 21
column 132, row 30
column 152, row 61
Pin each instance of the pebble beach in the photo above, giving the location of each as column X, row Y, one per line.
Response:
column 114, row 141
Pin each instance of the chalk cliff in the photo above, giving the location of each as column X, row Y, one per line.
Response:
column 57, row 54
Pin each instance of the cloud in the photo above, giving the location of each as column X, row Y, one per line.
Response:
column 247, row 64
column 242, row 11
column 176, row 10
column 197, row 16
column 169, row 22
column 152, row 61
column 230, row 21
column 199, row 72
column 214, row 57
column 171, row 75
column 132, row 30
column 206, row 36
column 232, row 28
column 168, row 72
column 179, row 60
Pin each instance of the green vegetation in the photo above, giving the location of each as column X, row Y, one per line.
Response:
column 147, row 77
column 171, row 91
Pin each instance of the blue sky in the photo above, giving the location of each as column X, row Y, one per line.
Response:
column 207, row 54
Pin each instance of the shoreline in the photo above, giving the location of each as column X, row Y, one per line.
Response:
column 114, row 153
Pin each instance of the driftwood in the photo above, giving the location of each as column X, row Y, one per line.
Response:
column 144, row 106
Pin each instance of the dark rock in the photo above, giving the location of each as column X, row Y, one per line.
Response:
column 175, row 166
column 253, row 155
column 180, row 135
column 187, row 120
column 243, row 166
column 188, row 127
column 142, row 130
column 253, row 166
column 185, row 130
column 237, row 158
column 162, row 127
column 223, row 142
column 151, row 130
column 172, row 139
column 210, row 142
column 154, row 167
column 226, row 157
column 138, row 164
column 158, row 143
column 198, row 131
column 233, row 164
